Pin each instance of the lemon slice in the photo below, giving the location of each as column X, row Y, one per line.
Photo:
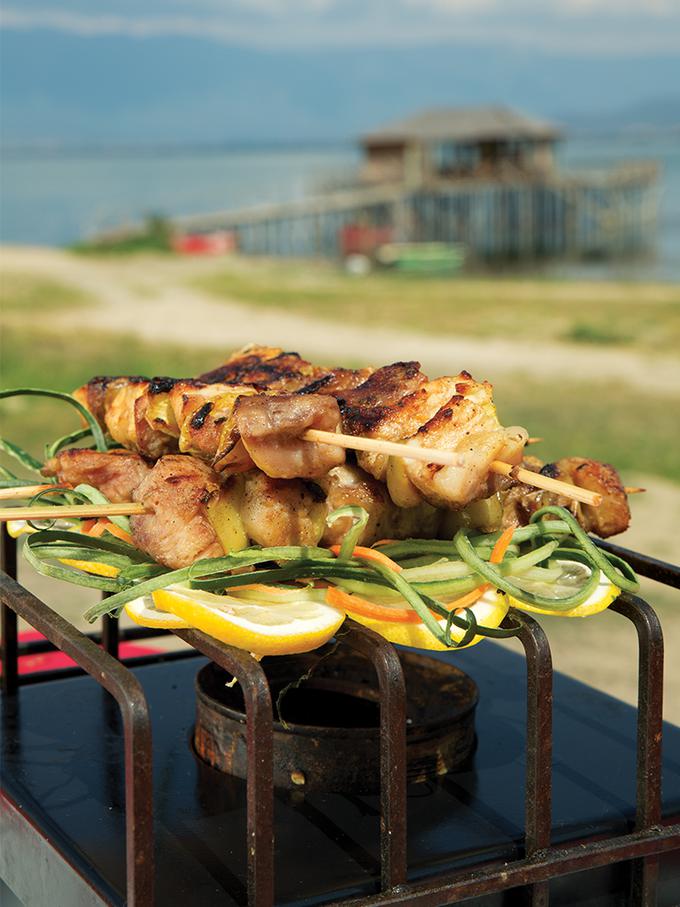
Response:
column 144, row 612
column 489, row 610
column 285, row 628
column 601, row 598
column 15, row 528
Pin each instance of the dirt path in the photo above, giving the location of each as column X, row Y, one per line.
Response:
column 149, row 297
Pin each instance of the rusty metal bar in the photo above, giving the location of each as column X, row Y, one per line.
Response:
column 538, row 785
column 260, row 746
column 9, row 645
column 649, row 738
column 128, row 693
column 555, row 862
column 659, row 571
column 393, row 807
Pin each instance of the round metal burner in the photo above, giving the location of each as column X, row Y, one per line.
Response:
column 328, row 738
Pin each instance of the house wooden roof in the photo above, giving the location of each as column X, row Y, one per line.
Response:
column 462, row 124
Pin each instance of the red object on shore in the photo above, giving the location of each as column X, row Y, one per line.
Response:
column 359, row 239
column 220, row 242
column 52, row 661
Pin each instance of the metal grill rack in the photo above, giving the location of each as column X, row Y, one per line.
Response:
column 641, row 847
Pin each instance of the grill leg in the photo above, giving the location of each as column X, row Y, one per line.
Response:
column 9, row 647
column 538, row 815
column 260, row 748
column 649, row 733
column 393, row 807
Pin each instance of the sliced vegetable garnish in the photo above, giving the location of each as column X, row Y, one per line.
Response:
column 429, row 593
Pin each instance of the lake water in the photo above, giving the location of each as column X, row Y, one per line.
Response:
column 58, row 199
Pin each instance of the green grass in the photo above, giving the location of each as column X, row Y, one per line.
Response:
column 641, row 315
column 25, row 294
column 154, row 236
column 633, row 430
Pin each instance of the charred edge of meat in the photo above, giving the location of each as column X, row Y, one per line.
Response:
column 245, row 369
column 199, row 417
column 442, row 416
column 317, row 385
column 551, row 470
column 103, row 381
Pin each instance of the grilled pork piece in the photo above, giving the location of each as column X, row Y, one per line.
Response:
column 282, row 511
column 271, row 429
column 177, row 531
column 115, row 473
column 610, row 518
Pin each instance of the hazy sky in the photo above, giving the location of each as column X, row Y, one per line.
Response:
column 605, row 27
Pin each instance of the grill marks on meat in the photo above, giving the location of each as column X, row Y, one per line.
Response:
column 236, row 418
column 265, row 367
column 472, row 432
column 271, row 430
column 177, row 530
column 116, row 473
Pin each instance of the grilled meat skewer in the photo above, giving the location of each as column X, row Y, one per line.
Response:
column 235, row 427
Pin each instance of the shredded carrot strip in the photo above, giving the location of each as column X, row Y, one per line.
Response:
column 501, row 546
column 357, row 605
column 118, row 532
column 370, row 554
column 469, row 599
column 383, row 542
column 98, row 529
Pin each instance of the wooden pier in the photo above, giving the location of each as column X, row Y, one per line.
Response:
column 597, row 214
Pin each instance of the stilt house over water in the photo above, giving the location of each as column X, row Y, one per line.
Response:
column 484, row 177
column 460, row 143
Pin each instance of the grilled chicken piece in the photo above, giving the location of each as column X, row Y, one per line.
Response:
column 205, row 416
column 266, row 367
column 351, row 485
column 115, row 473
column 271, row 429
column 122, row 406
column 281, row 511
column 472, row 431
column 399, row 420
column 610, row 518
column 95, row 394
column 613, row 515
column 177, row 531
column 362, row 406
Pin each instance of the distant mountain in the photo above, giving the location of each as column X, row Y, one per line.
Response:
column 65, row 89
column 650, row 114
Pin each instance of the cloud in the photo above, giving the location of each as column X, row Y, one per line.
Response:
column 573, row 27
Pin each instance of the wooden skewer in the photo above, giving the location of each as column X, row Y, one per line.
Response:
column 447, row 458
column 351, row 442
column 54, row 512
column 534, row 441
column 631, row 489
column 22, row 491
